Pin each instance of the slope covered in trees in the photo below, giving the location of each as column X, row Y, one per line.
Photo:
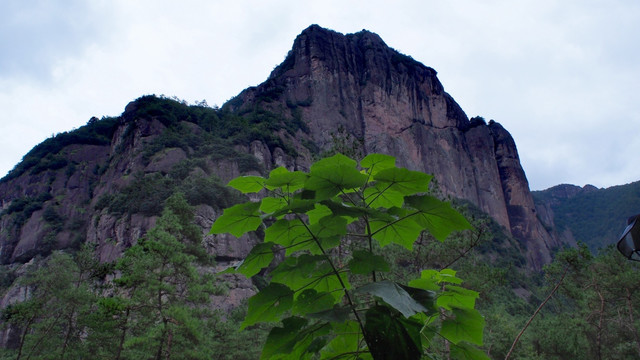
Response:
column 593, row 216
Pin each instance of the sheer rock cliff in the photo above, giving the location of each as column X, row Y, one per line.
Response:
column 350, row 93
column 356, row 87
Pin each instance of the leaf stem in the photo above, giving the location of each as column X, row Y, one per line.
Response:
column 336, row 272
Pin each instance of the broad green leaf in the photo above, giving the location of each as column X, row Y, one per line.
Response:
column 290, row 234
column 238, row 219
column 326, row 243
column 425, row 298
column 310, row 272
column 427, row 281
column 428, row 333
column 404, row 181
column 467, row 326
column 464, row 351
column 309, row 341
column 432, row 279
column 350, row 212
column 347, row 341
column 437, row 216
column 334, row 161
column 329, row 226
column 281, row 178
column 318, row 213
column 247, row 184
column 448, row 276
column 382, row 196
column 459, row 297
column 297, row 206
column 337, row 314
column 311, row 301
column 272, row 204
column 318, row 343
column 328, row 177
column 364, row 262
column 396, row 296
column 294, row 340
column 403, row 230
column 281, row 340
column 377, row 162
column 389, row 337
column 268, row 304
column 259, row 257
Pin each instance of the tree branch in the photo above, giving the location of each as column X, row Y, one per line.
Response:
column 566, row 269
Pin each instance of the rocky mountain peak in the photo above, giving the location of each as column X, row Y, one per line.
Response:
column 356, row 87
column 333, row 92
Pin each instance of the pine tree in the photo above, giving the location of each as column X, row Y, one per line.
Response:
column 162, row 311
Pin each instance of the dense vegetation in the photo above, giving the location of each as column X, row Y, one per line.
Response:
column 593, row 315
column 46, row 154
column 156, row 304
column 81, row 308
column 595, row 217
column 331, row 292
column 218, row 130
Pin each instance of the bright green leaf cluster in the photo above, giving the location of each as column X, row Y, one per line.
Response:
column 307, row 216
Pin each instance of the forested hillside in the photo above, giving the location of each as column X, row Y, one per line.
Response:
column 106, row 250
column 590, row 215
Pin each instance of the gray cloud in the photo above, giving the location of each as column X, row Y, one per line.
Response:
column 35, row 34
column 560, row 76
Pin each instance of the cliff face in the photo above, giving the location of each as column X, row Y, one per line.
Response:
column 356, row 87
column 345, row 92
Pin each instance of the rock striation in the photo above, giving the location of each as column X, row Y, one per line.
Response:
column 351, row 93
column 355, row 86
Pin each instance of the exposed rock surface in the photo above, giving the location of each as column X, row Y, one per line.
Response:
column 356, row 85
column 349, row 90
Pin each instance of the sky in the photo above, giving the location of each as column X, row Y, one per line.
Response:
column 563, row 77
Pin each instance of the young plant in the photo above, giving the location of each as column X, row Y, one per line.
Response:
column 332, row 225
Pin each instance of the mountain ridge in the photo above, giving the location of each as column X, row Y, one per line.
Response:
column 397, row 105
column 332, row 92
column 595, row 216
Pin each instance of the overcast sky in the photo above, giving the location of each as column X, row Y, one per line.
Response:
column 563, row 77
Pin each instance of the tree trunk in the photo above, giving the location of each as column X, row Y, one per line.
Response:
column 24, row 335
column 123, row 334
column 634, row 330
column 599, row 328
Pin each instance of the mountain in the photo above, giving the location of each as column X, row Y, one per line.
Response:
column 357, row 87
column 106, row 182
column 594, row 216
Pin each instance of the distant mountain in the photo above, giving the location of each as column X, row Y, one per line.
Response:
column 588, row 214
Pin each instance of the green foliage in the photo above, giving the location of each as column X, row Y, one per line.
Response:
column 146, row 194
column 310, row 216
column 218, row 124
column 22, row 208
column 599, row 300
column 163, row 285
column 592, row 215
column 53, row 219
column 52, row 320
column 46, row 154
column 156, row 306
